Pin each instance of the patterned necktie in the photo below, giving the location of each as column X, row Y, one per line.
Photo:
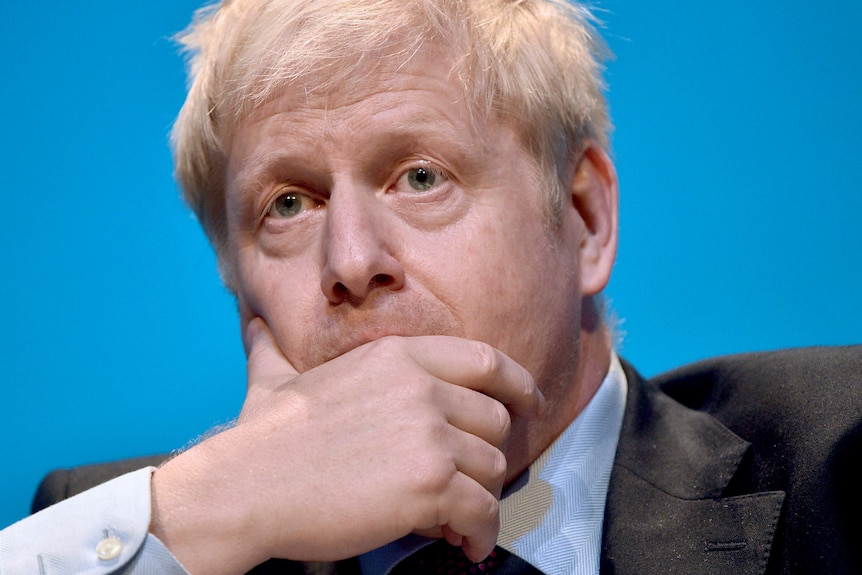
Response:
column 440, row 558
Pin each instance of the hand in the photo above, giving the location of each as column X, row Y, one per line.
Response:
column 396, row 436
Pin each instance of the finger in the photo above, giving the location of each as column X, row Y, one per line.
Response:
column 477, row 414
column 481, row 367
column 266, row 364
column 473, row 513
column 477, row 550
column 483, row 463
column 454, row 539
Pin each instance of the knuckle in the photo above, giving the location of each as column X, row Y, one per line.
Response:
column 486, row 357
column 433, row 473
column 525, row 390
column 487, row 508
column 420, row 393
column 502, row 420
column 528, row 385
column 499, row 466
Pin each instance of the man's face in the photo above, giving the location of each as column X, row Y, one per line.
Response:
column 383, row 209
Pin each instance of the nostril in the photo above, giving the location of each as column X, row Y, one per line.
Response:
column 340, row 291
column 381, row 280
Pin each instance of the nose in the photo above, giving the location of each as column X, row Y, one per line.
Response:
column 359, row 259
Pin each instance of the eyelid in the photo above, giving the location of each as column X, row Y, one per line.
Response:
column 430, row 166
column 437, row 170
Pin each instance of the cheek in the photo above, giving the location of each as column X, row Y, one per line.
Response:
column 281, row 292
column 493, row 272
column 512, row 254
column 525, row 297
column 256, row 278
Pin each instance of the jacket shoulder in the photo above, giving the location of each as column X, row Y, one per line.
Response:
column 801, row 409
column 806, row 383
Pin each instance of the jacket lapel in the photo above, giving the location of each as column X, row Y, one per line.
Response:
column 666, row 509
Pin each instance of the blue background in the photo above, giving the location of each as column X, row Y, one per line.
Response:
column 738, row 147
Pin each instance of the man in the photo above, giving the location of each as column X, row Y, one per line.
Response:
column 415, row 207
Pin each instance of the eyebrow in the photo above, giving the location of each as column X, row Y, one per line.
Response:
column 259, row 166
column 244, row 192
column 432, row 133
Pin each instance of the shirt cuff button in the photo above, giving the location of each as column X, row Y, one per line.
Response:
column 109, row 548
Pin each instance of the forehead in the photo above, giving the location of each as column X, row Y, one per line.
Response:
column 411, row 96
column 394, row 69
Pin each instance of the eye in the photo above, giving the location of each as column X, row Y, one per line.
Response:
column 289, row 205
column 421, row 179
column 424, row 178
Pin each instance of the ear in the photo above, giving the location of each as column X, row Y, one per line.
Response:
column 594, row 196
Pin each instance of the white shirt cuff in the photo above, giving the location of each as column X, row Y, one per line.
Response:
column 100, row 531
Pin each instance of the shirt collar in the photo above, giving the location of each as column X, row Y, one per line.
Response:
column 551, row 516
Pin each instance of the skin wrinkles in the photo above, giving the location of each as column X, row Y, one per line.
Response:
column 433, row 125
column 422, row 134
column 476, row 261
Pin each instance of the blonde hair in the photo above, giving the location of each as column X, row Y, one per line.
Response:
column 536, row 64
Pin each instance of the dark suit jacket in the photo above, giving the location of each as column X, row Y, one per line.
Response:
column 738, row 465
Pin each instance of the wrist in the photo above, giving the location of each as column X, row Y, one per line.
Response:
column 200, row 515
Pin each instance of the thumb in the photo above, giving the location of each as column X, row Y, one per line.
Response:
column 267, row 367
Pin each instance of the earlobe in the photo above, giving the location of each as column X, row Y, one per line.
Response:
column 594, row 196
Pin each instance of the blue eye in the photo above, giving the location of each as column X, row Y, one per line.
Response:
column 421, row 179
column 287, row 205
